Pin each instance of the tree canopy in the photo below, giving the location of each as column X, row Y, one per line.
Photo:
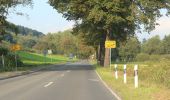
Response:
column 117, row 18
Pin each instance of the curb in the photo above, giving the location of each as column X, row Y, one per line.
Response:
column 113, row 93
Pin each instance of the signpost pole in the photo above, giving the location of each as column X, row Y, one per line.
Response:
column 16, row 60
column 110, row 58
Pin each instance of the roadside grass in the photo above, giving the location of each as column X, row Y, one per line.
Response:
column 154, row 80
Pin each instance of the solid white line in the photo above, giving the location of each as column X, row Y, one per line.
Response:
column 117, row 97
column 48, row 84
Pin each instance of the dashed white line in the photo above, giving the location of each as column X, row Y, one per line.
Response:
column 50, row 83
column 94, row 80
column 62, row 75
column 68, row 71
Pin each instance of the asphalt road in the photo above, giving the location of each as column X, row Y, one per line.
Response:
column 76, row 81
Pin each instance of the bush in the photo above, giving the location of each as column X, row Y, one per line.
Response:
column 155, row 57
column 166, row 56
column 142, row 57
column 3, row 51
column 10, row 60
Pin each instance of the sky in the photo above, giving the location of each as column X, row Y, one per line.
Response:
column 44, row 18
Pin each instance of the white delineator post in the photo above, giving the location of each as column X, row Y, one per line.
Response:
column 136, row 76
column 116, row 73
column 125, row 81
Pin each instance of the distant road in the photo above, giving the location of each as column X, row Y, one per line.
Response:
column 76, row 81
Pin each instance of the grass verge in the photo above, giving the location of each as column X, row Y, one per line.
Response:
column 151, row 86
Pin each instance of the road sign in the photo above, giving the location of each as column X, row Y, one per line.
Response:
column 49, row 51
column 15, row 47
column 110, row 44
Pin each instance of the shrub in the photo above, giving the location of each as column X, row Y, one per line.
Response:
column 142, row 57
column 155, row 57
column 10, row 60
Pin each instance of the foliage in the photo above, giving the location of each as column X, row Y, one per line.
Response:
column 3, row 51
column 129, row 50
column 64, row 43
column 165, row 46
column 117, row 19
column 152, row 46
column 141, row 57
column 5, row 5
column 27, row 31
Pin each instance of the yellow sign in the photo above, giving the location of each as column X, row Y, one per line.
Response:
column 15, row 47
column 110, row 44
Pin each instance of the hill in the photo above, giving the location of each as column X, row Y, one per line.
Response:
column 26, row 31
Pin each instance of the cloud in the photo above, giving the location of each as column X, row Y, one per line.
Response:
column 162, row 29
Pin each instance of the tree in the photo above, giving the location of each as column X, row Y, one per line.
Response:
column 117, row 18
column 152, row 46
column 129, row 51
column 4, row 6
column 166, row 45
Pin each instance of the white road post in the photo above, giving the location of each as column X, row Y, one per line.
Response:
column 136, row 76
column 125, row 80
column 116, row 73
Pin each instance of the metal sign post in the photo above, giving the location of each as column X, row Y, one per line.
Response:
column 110, row 58
column 16, row 63
column 15, row 48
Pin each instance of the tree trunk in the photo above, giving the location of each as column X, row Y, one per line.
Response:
column 107, row 52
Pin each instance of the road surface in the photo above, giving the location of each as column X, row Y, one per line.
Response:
column 76, row 81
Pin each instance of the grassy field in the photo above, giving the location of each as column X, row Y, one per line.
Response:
column 32, row 60
column 154, row 80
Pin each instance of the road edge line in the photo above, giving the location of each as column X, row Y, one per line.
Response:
column 113, row 93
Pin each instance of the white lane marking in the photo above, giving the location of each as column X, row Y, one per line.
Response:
column 48, row 84
column 68, row 71
column 62, row 75
column 117, row 97
column 94, row 80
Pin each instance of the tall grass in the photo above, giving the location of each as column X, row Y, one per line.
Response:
column 154, row 79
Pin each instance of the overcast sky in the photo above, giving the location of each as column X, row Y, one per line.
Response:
column 44, row 18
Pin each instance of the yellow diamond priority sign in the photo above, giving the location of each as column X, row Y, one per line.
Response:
column 110, row 44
